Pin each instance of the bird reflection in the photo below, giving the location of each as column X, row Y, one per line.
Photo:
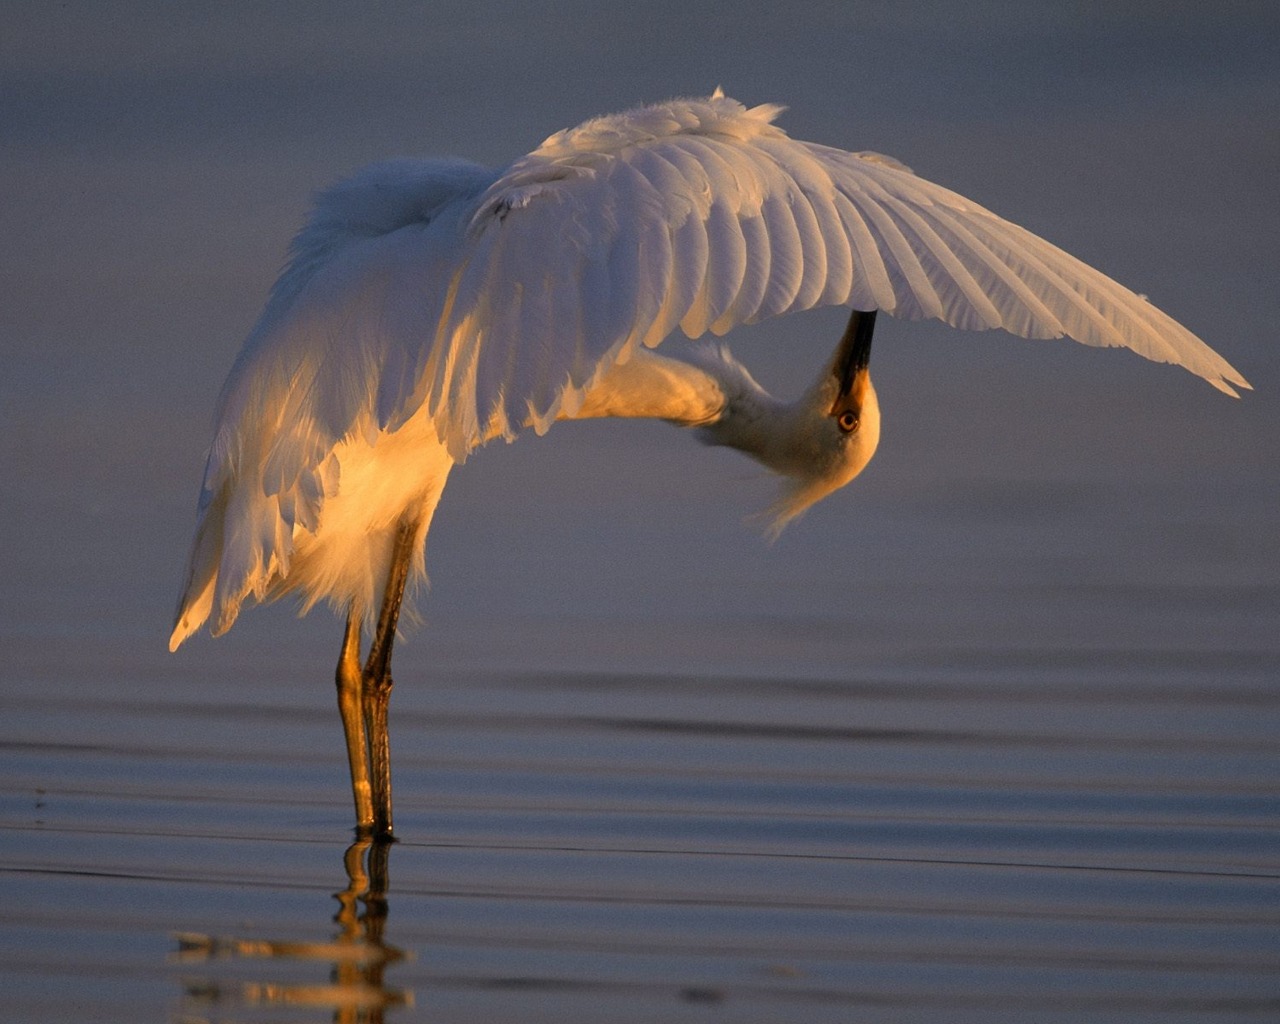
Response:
column 356, row 993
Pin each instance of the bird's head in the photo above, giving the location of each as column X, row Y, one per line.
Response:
column 817, row 443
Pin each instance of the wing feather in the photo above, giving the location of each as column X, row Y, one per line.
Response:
column 724, row 273
column 795, row 179
column 872, row 286
column 702, row 214
column 745, row 306
column 503, row 305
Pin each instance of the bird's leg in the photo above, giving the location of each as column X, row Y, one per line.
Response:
column 377, row 677
column 351, row 706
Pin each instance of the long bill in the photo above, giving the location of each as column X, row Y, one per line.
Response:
column 852, row 359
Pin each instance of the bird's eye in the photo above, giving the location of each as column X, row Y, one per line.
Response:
column 848, row 421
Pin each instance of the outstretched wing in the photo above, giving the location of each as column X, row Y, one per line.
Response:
column 494, row 300
column 704, row 215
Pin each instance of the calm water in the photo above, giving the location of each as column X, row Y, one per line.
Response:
column 991, row 736
column 1101, row 846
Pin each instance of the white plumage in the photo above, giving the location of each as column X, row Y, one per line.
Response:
column 432, row 306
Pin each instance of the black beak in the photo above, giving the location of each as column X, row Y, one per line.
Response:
column 852, row 359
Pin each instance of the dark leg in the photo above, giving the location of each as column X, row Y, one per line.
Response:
column 377, row 679
column 351, row 706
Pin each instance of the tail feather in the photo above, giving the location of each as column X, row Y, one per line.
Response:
column 196, row 601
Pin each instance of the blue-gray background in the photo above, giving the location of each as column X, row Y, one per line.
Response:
column 1031, row 500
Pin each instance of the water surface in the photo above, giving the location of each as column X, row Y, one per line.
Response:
column 641, row 848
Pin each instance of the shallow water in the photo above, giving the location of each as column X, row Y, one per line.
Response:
column 641, row 848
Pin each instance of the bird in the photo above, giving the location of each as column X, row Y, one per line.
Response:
column 431, row 306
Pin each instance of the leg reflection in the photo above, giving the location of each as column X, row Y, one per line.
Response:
column 357, row 992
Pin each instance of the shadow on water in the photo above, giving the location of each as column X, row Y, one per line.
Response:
column 358, row 957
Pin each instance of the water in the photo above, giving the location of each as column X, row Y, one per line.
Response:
column 989, row 736
column 582, row 846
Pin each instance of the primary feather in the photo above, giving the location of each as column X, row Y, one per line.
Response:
column 431, row 306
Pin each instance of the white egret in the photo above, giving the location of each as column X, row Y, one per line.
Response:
column 431, row 306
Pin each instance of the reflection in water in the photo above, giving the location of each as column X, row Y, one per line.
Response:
column 356, row 991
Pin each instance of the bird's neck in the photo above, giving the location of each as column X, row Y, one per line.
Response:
column 705, row 388
column 652, row 386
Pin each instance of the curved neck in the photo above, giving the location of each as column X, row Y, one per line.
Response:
column 707, row 388
column 652, row 386
column 807, row 441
